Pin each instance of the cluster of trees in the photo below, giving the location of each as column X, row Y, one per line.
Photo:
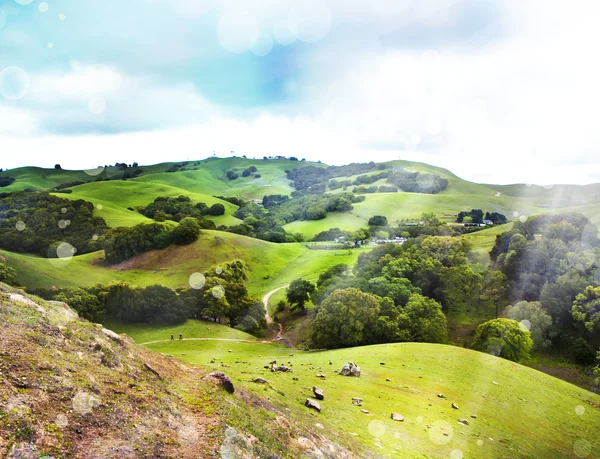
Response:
column 232, row 174
column 359, row 181
column 550, row 263
column 375, row 189
column 266, row 222
column 5, row 181
column 415, row 182
column 176, row 209
column 157, row 304
column 122, row 243
column 313, row 179
column 32, row 222
column 477, row 216
column 410, row 286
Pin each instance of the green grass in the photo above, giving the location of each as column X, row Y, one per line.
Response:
column 142, row 333
column 117, row 196
column 527, row 414
column 483, row 241
column 271, row 265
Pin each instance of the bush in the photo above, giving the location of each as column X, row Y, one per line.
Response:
column 378, row 220
column 187, row 231
column 583, row 352
column 216, row 209
column 7, row 274
column 503, row 338
column 231, row 175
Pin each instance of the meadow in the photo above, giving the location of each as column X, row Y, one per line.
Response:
column 556, row 419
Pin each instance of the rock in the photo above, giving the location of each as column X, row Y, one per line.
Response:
column 441, row 396
column 388, row 379
column 357, row 401
column 112, row 335
column 272, row 362
column 495, row 383
column 152, row 370
column 455, row 406
column 322, row 376
column 350, row 369
column 319, row 394
column 397, row 417
column 260, row 381
column 312, row 404
column 330, row 362
column 295, row 379
column 291, row 355
column 221, row 379
column 381, row 363
column 22, row 451
column 230, row 350
column 320, row 426
column 364, row 411
column 282, row 368
column 266, row 366
column 474, row 416
column 464, row 421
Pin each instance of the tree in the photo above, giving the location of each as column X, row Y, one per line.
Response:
column 378, row 220
column 586, row 309
column 187, row 231
column 7, row 274
column 535, row 318
column 216, row 209
column 460, row 285
column 87, row 305
column 503, row 338
column 57, row 167
column 346, row 318
column 122, row 302
column 426, row 321
column 162, row 305
column 298, row 293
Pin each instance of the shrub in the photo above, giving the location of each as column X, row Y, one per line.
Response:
column 503, row 338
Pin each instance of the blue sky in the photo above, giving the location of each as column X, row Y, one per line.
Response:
column 496, row 91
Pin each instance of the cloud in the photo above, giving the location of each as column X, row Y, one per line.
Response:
column 500, row 91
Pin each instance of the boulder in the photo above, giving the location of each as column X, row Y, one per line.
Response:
column 455, row 406
column 350, row 369
column 312, row 404
column 222, row 379
column 319, row 394
column 397, row 417
column 464, row 421
column 282, row 368
column 357, row 401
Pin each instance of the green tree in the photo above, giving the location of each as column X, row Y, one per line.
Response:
column 533, row 316
column 586, row 310
column 460, row 285
column 216, row 209
column 187, row 231
column 122, row 302
column 378, row 220
column 299, row 292
column 503, row 338
column 427, row 322
column 162, row 305
column 87, row 305
column 346, row 318
column 7, row 274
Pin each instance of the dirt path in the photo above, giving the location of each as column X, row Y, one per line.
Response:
column 204, row 339
column 279, row 337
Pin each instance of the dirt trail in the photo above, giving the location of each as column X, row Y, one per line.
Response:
column 279, row 336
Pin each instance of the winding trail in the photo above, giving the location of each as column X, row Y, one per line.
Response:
column 279, row 336
column 203, row 339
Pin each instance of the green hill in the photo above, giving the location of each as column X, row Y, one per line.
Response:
column 519, row 412
column 271, row 265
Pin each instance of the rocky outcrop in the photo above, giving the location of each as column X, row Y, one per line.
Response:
column 222, row 379
column 350, row 369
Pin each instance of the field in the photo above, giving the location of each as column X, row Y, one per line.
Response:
column 555, row 419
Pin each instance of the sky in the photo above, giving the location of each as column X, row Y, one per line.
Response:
column 497, row 91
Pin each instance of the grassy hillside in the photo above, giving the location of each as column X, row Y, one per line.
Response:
column 69, row 388
column 271, row 265
column 519, row 412
column 115, row 197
